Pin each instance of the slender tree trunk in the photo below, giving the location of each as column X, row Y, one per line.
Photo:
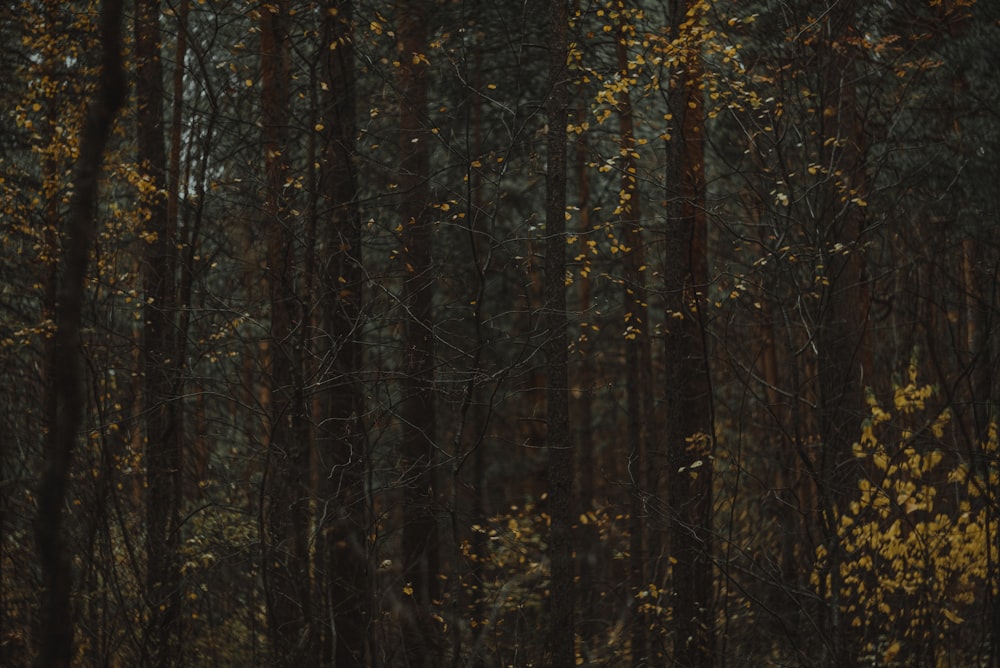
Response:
column 186, row 232
column 421, row 561
column 291, row 622
column 638, row 353
column 592, row 613
column 56, row 645
column 560, row 645
column 468, row 590
column 843, row 336
column 160, row 363
column 688, row 408
column 342, row 455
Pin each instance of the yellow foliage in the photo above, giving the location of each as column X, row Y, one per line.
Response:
column 913, row 545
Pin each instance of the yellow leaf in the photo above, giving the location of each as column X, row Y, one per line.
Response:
column 951, row 616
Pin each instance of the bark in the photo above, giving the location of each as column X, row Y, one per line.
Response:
column 341, row 455
column 421, row 561
column 590, row 561
column 474, row 415
column 638, row 352
column 160, row 360
column 56, row 644
column 687, row 401
column 558, row 444
column 291, row 622
column 843, row 336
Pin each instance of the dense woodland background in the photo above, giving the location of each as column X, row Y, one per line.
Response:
column 495, row 333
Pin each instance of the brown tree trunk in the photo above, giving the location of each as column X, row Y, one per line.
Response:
column 592, row 612
column 843, row 336
column 421, row 561
column 160, row 363
column 688, row 404
column 638, row 352
column 186, row 232
column 291, row 622
column 341, row 456
column 560, row 645
column 56, row 646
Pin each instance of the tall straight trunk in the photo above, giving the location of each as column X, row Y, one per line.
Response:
column 843, row 335
column 558, row 444
column 160, row 363
column 48, row 273
column 687, row 398
column 421, row 561
column 473, row 417
column 56, row 644
column 291, row 623
column 341, row 454
column 590, row 560
column 638, row 352
column 193, row 452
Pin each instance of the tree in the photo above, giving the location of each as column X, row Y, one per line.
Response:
column 690, row 434
column 637, row 335
column 161, row 359
column 561, row 605
column 66, row 404
column 342, row 449
column 421, row 560
column 291, row 622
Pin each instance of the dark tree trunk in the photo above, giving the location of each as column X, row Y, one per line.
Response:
column 342, row 454
column 291, row 622
column 56, row 646
column 843, row 337
column 591, row 561
column 687, row 400
column 560, row 645
column 420, row 530
column 160, row 363
column 638, row 354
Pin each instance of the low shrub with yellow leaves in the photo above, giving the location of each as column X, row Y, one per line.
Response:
column 913, row 546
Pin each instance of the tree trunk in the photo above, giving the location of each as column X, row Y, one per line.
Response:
column 843, row 336
column 559, row 449
column 291, row 623
column 591, row 555
column 160, row 363
column 420, row 530
column 638, row 352
column 687, row 404
column 342, row 455
column 56, row 647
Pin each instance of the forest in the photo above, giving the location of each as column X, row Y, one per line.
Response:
column 488, row 334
